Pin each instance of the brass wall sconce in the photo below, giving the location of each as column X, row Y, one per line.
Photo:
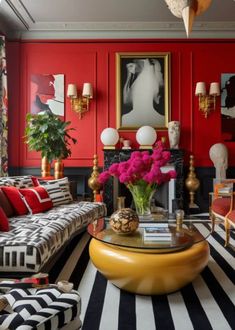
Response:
column 207, row 102
column 80, row 103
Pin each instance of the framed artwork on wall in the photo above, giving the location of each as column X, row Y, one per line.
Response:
column 228, row 106
column 142, row 90
column 47, row 94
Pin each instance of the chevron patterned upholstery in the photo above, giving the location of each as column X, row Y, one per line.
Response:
column 41, row 309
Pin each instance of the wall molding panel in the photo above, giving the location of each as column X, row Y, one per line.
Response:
column 94, row 61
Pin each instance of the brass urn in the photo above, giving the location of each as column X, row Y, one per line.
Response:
column 93, row 181
column 192, row 183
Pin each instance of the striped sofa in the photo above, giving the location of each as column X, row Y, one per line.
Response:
column 34, row 239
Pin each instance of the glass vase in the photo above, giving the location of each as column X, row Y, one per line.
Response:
column 142, row 197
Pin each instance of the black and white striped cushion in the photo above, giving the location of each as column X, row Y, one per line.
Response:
column 63, row 184
column 17, row 181
column 21, row 182
column 4, row 181
column 57, row 195
column 42, row 309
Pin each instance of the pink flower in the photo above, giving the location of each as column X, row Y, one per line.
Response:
column 150, row 177
column 156, row 155
column 103, row 177
column 141, row 167
column 145, row 153
column 114, row 169
column 123, row 166
column 124, row 178
column 173, row 174
column 136, row 154
column 147, row 159
column 166, row 155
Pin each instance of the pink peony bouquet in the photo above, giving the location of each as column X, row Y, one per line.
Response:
column 142, row 168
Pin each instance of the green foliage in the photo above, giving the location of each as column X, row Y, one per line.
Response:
column 48, row 134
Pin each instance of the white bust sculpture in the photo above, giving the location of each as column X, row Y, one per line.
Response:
column 219, row 156
column 174, row 134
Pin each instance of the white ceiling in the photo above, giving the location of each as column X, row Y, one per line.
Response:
column 110, row 19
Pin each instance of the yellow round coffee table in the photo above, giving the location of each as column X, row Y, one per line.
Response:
column 137, row 266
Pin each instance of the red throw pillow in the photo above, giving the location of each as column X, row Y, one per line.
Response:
column 15, row 199
column 36, row 199
column 6, row 205
column 4, row 224
column 35, row 181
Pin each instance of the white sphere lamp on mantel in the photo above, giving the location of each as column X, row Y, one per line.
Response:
column 109, row 137
column 146, row 136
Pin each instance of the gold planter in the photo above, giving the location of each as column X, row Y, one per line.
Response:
column 45, row 167
column 58, row 169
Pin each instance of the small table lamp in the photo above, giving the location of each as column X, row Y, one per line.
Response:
column 146, row 137
column 109, row 137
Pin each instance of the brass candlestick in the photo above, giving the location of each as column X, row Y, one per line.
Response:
column 192, row 183
column 179, row 217
column 121, row 202
column 93, row 182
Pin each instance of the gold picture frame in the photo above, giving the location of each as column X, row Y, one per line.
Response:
column 142, row 90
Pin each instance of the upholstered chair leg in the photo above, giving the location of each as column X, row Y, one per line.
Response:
column 227, row 232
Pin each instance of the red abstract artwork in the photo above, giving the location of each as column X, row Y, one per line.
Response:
column 47, row 93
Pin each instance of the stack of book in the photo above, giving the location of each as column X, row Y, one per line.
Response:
column 157, row 233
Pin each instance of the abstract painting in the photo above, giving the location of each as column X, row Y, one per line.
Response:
column 47, row 94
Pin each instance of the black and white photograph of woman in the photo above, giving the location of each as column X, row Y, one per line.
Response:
column 228, row 106
column 142, row 92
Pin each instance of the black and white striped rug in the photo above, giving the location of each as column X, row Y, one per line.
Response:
column 207, row 303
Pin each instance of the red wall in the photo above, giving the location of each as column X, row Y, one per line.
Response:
column 94, row 61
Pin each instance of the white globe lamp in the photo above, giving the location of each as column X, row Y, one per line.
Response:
column 109, row 137
column 146, row 137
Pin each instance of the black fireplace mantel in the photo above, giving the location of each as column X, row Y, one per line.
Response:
column 119, row 155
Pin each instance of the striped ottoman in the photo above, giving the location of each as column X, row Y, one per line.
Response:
column 41, row 309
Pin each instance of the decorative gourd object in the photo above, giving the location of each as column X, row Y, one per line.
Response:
column 124, row 221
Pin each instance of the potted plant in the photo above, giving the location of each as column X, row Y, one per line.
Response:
column 48, row 134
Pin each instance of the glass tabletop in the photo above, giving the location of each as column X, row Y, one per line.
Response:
column 180, row 237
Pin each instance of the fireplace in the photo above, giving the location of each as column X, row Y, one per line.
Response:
column 168, row 196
